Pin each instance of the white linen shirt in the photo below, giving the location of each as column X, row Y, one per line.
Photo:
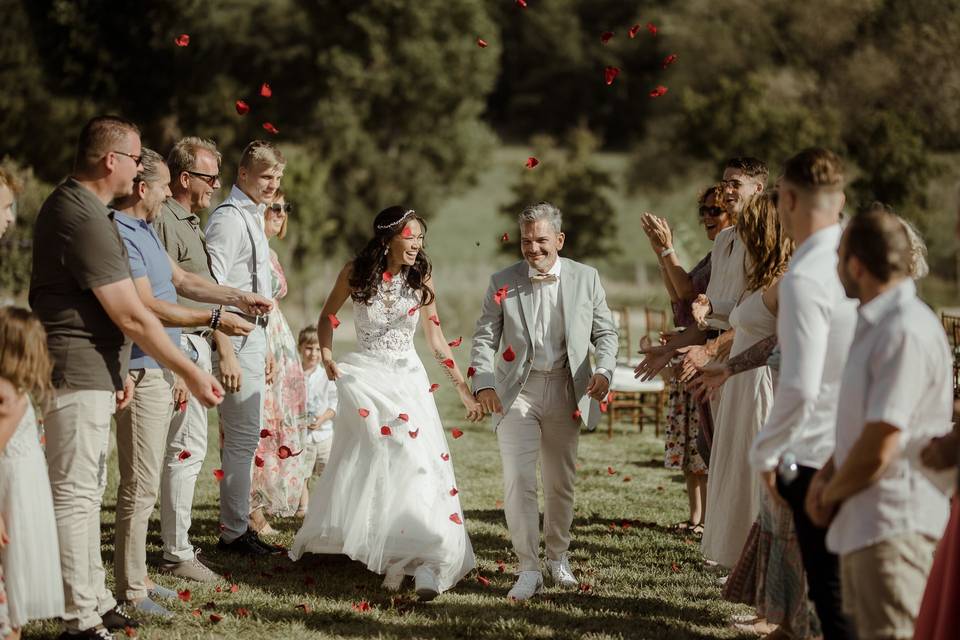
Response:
column 728, row 276
column 898, row 372
column 549, row 335
column 321, row 395
column 815, row 325
column 228, row 233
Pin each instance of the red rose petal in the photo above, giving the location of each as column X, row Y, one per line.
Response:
column 242, row 613
column 214, row 618
column 333, row 320
column 385, row 430
column 182, row 40
column 265, row 433
column 498, row 504
column 444, row 456
column 658, row 91
column 481, row 43
column 196, row 613
column 605, row 36
column 584, row 587
column 470, row 372
column 265, row 90
column 509, row 354
column 531, row 162
column 404, row 417
column 456, row 433
column 652, row 28
column 483, row 581
column 454, row 491
column 257, row 460
column 449, row 363
column 130, row 632
column 363, row 412
column 505, row 237
column 611, row 471
column 242, row 107
column 218, row 589
column 234, row 588
column 455, row 518
column 184, row 595
column 412, row 310
column 674, row 567
column 406, row 233
column 501, row 566
column 577, row 415
column 610, row 74
column 435, row 320
column 285, row 452
column 634, row 30
column 522, row 4
column 387, row 276
column 627, row 478
column 303, row 606
column 603, row 407
column 669, row 60
column 434, row 387
column 184, row 454
column 269, row 128
column 455, row 343
column 361, row 606
column 414, row 434
column 218, row 474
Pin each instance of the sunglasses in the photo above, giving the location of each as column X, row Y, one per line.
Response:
column 279, row 209
column 136, row 159
column 211, row 180
column 713, row 212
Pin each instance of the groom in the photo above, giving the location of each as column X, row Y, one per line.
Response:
column 531, row 352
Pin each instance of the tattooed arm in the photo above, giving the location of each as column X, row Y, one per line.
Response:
column 712, row 376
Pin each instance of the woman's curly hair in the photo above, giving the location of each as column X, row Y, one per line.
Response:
column 371, row 261
column 768, row 247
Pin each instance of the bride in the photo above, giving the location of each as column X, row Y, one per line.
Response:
column 388, row 496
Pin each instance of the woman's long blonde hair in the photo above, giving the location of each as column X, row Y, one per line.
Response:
column 24, row 360
column 768, row 247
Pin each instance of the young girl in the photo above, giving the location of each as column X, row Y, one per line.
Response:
column 321, row 410
column 30, row 550
column 388, row 497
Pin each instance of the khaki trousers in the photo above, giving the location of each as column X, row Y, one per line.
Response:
column 77, row 427
column 141, row 439
column 540, row 422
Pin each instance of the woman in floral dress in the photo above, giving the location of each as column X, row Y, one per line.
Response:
column 278, row 474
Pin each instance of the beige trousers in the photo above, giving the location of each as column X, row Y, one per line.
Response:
column 77, row 428
column 540, row 422
column 141, row 441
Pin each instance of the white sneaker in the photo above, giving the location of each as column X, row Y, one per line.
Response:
column 529, row 584
column 425, row 582
column 560, row 572
column 393, row 578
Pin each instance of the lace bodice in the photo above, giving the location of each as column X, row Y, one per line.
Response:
column 26, row 439
column 388, row 322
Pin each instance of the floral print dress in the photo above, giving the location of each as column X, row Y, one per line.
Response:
column 278, row 473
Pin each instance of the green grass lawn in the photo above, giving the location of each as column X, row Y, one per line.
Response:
column 641, row 580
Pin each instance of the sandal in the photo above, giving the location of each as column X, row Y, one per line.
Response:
column 696, row 530
column 683, row 525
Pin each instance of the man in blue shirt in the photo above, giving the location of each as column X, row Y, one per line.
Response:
column 142, row 426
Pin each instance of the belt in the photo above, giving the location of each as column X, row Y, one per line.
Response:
column 260, row 321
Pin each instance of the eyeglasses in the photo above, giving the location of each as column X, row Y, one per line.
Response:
column 211, row 180
column 713, row 212
column 136, row 159
column 280, row 209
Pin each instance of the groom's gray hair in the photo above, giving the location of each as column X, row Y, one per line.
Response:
column 541, row 211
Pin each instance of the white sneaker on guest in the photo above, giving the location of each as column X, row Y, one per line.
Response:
column 560, row 572
column 529, row 584
column 425, row 582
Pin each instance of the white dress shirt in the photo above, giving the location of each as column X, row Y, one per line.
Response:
column 321, row 395
column 728, row 276
column 228, row 233
column 898, row 372
column 815, row 325
column 549, row 335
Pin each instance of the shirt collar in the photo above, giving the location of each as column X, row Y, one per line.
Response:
column 826, row 237
column 875, row 310
column 179, row 210
column 554, row 270
column 244, row 201
column 129, row 221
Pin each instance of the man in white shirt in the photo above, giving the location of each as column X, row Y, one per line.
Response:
column 815, row 324
column 531, row 351
column 240, row 258
column 896, row 393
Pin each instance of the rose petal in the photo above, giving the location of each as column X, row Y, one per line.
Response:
column 414, row 434
column 455, row 518
column 652, row 28
column 610, row 74
column 242, row 107
column 234, row 588
column 434, row 387
column 406, row 233
column 269, row 128
column 435, row 320
column 184, row 595
column 603, row 407
column 522, row 4
column 627, row 478
column 412, row 310
column 455, row 343
column 456, row 433
column 218, row 474
column 444, row 456
column 509, row 354
column 577, row 415
column 363, row 412
column 214, row 618
column 184, row 454
column 454, row 491
column 284, row 452
column 130, row 632
column 305, row 607
column 265, row 90
column 403, row 417
column 483, row 581
column 505, row 237
column 242, row 613
column 669, row 60
column 197, row 613
column 449, row 363
column 387, row 276
column 658, row 91
column 265, row 433
column 470, row 372
column 385, row 430
column 333, row 320
column 605, row 36
column 257, row 460
column 584, row 587
column 182, row 40
column 501, row 566
column 531, row 162
column 634, row 30
column 481, row 43
column 611, row 471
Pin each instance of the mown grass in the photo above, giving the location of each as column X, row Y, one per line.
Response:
column 641, row 579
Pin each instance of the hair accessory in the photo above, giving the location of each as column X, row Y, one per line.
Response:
column 407, row 214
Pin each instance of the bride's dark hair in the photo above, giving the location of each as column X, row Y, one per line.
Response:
column 371, row 261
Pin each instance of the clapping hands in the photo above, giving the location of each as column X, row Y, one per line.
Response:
column 701, row 308
column 657, row 230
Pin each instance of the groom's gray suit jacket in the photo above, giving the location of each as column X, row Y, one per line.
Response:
column 587, row 321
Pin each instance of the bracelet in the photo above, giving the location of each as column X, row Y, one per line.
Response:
column 215, row 317
column 667, row 251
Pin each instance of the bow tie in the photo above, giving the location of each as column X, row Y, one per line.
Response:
column 544, row 277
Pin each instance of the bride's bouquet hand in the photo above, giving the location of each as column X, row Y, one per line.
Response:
column 474, row 409
column 331, row 368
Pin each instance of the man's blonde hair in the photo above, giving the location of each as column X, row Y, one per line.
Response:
column 262, row 154
column 8, row 180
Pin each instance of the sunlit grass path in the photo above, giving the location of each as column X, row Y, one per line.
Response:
column 640, row 579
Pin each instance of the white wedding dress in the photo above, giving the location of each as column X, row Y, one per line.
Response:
column 388, row 500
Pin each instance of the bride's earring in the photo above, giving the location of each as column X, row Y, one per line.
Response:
column 386, row 251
